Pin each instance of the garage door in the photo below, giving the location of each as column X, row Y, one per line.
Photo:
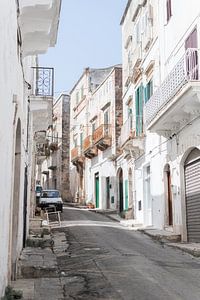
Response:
column 192, row 188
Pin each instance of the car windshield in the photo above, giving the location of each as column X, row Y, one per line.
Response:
column 50, row 194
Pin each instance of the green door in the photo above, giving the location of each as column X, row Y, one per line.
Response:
column 108, row 191
column 97, row 189
column 126, row 194
column 139, row 110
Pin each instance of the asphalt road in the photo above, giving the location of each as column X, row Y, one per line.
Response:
column 105, row 260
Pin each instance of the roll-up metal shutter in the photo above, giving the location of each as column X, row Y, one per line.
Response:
column 192, row 191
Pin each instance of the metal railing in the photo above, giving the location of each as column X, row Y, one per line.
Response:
column 187, row 69
column 52, row 161
column 87, row 143
column 103, row 131
column 43, row 81
column 126, row 131
column 76, row 152
column 131, row 129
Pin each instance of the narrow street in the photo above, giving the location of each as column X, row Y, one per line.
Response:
column 107, row 261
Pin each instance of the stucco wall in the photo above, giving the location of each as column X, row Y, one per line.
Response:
column 13, row 107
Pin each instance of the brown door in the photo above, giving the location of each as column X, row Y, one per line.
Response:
column 192, row 56
column 169, row 196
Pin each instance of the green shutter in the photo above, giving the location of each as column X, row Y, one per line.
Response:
column 136, row 111
column 139, row 110
column 81, row 140
column 146, row 93
column 126, row 194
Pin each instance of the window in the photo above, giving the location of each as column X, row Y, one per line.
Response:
column 106, row 122
column 106, row 117
column 138, row 38
column 75, row 142
column 139, row 110
column 77, row 98
column 192, row 64
column 93, row 127
column 81, row 140
column 148, row 90
column 169, row 9
column 82, row 92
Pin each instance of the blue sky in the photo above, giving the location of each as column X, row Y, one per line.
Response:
column 89, row 36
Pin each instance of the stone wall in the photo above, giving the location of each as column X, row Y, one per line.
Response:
column 65, row 175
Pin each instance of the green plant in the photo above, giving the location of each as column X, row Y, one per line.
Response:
column 11, row 294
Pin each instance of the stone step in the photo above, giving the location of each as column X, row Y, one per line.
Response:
column 37, row 262
column 162, row 235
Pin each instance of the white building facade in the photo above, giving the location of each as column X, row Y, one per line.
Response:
column 164, row 86
column 54, row 171
column 95, row 126
column 140, row 50
column 173, row 113
column 22, row 38
column 100, row 146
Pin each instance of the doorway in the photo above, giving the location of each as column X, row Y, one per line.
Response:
column 192, row 195
column 97, row 189
column 147, row 195
column 191, row 46
column 169, row 204
column 130, row 188
column 108, row 192
column 121, row 192
column 16, row 201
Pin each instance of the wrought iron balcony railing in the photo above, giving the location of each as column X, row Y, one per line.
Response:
column 186, row 70
column 43, row 81
column 76, row 153
column 103, row 131
column 87, row 143
column 126, row 131
column 131, row 129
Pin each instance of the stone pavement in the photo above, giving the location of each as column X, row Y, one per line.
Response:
column 163, row 236
column 39, row 277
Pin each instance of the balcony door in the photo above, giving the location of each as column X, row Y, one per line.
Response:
column 121, row 191
column 15, row 241
column 108, row 192
column 147, row 196
column 191, row 46
column 139, row 110
column 97, row 189
column 106, row 122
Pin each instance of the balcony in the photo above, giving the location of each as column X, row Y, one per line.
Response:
column 41, row 150
column 131, row 143
column 176, row 102
column 53, row 143
column 136, row 61
column 43, row 82
column 77, row 157
column 102, row 137
column 147, row 37
column 137, row 5
column 41, row 100
column 89, row 149
column 52, row 161
column 127, row 132
column 38, row 21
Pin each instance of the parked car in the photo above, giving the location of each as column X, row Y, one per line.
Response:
column 50, row 198
column 38, row 190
